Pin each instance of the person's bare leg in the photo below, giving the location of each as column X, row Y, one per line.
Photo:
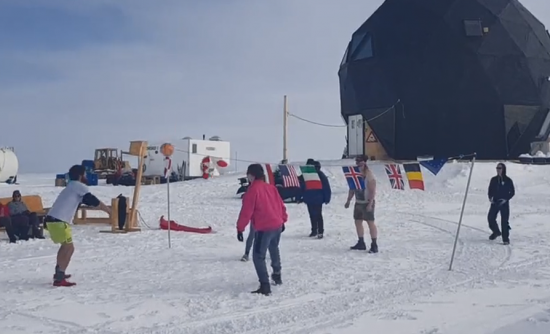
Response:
column 373, row 230
column 359, row 228
column 64, row 256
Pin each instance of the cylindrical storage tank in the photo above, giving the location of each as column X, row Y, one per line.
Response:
column 9, row 165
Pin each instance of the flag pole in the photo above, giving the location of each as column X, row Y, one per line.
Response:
column 462, row 210
column 168, row 207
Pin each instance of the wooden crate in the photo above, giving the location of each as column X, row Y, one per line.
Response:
column 60, row 183
column 149, row 180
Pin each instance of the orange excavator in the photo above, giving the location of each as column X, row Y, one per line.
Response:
column 107, row 162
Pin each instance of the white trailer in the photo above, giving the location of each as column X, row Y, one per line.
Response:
column 189, row 158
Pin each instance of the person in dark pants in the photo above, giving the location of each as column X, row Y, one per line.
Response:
column 264, row 208
column 21, row 216
column 314, row 199
column 5, row 222
column 501, row 191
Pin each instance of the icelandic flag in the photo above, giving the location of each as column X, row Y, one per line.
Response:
column 355, row 179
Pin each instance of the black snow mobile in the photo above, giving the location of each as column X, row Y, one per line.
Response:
column 289, row 195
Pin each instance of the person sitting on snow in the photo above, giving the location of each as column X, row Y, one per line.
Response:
column 21, row 217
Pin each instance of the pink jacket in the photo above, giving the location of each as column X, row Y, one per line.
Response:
column 263, row 206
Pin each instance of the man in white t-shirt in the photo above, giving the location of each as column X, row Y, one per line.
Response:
column 60, row 217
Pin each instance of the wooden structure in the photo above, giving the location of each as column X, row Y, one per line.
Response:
column 139, row 149
column 83, row 218
column 149, row 180
column 60, row 183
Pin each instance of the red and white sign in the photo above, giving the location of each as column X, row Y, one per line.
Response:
column 168, row 167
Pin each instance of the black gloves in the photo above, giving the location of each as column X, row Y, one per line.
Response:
column 240, row 236
column 283, row 229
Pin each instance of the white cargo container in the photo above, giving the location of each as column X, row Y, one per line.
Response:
column 188, row 158
column 9, row 165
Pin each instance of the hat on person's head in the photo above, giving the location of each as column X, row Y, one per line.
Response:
column 257, row 171
column 310, row 161
column 16, row 193
column 317, row 165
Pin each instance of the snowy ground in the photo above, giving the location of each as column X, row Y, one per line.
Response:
column 134, row 284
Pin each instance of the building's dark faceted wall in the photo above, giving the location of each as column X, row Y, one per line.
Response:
column 449, row 93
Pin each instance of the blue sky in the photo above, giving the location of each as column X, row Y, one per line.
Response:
column 78, row 75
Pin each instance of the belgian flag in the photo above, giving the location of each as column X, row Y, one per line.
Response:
column 414, row 175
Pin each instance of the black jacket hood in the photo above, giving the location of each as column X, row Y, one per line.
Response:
column 500, row 164
column 317, row 165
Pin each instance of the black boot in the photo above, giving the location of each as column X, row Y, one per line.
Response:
column 37, row 232
column 265, row 289
column 277, row 278
column 373, row 247
column 313, row 234
column 360, row 245
column 495, row 235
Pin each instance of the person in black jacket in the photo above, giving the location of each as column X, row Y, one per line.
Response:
column 314, row 199
column 501, row 191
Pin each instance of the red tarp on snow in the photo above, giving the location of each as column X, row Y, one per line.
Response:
column 177, row 227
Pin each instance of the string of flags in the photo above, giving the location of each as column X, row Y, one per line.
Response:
column 356, row 181
column 412, row 170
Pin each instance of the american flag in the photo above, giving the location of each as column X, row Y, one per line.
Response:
column 395, row 176
column 355, row 179
column 289, row 175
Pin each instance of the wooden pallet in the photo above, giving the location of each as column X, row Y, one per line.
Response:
column 150, row 180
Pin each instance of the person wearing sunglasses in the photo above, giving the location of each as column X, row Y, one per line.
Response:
column 501, row 191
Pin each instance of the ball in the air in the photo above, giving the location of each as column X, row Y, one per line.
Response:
column 167, row 149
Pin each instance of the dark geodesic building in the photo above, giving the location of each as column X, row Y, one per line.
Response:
column 450, row 77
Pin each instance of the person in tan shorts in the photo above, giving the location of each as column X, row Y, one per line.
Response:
column 364, row 206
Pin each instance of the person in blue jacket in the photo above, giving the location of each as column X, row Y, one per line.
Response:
column 314, row 199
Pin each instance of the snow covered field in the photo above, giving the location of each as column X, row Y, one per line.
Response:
column 134, row 284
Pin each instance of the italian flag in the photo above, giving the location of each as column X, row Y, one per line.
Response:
column 311, row 178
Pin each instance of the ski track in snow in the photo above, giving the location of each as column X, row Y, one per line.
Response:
column 135, row 284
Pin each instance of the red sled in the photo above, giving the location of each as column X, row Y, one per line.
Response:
column 177, row 227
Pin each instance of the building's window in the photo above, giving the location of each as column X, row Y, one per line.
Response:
column 473, row 28
column 363, row 50
column 194, row 148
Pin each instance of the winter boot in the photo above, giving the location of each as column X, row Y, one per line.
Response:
column 313, row 234
column 244, row 258
column 265, row 289
column 495, row 235
column 64, row 283
column 320, row 236
column 373, row 248
column 507, row 242
column 276, row 277
column 360, row 245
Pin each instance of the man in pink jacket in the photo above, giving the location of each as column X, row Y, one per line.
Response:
column 264, row 208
